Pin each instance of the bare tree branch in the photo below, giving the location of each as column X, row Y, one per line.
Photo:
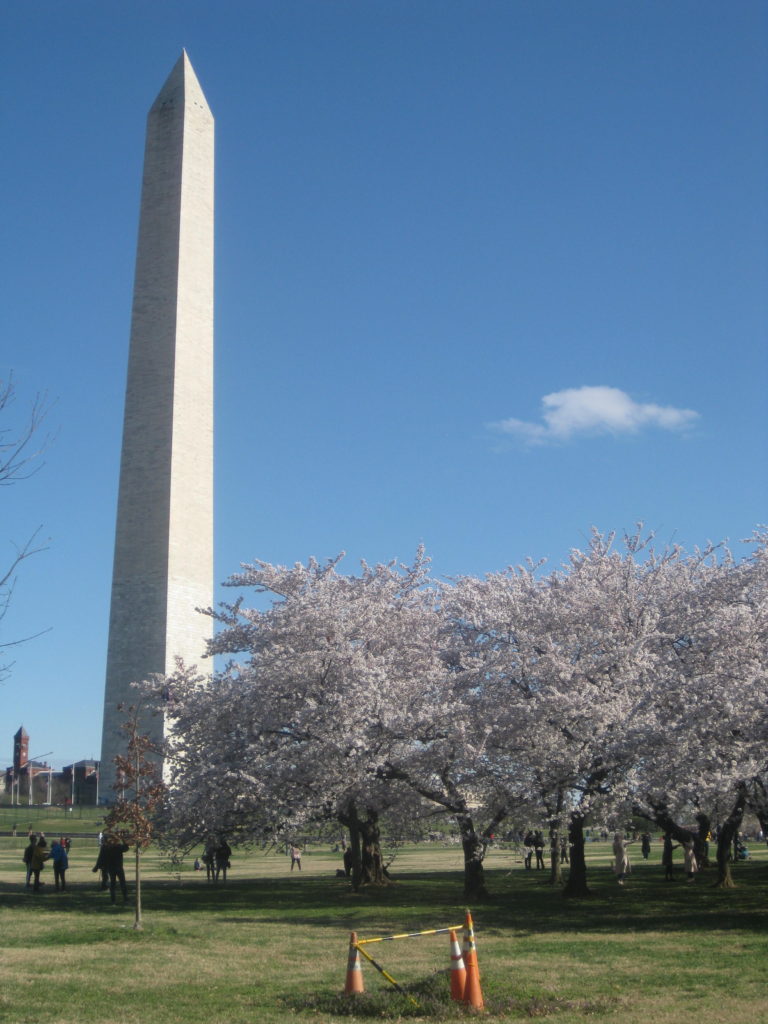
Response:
column 19, row 459
column 16, row 451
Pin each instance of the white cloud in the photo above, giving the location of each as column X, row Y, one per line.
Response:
column 594, row 410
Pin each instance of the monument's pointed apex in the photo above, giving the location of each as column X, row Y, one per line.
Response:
column 181, row 85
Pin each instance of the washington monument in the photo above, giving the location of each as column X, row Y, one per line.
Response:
column 163, row 563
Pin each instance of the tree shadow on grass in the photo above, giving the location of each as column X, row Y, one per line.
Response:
column 520, row 903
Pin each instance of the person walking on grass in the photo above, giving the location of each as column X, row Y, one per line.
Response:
column 110, row 862
column 221, row 859
column 60, row 864
column 295, row 857
column 621, row 864
column 209, row 859
column 538, row 843
column 528, row 843
column 691, row 864
column 666, row 857
column 40, row 855
column 208, row 852
column 29, row 849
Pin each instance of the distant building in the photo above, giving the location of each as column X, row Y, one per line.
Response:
column 77, row 784
column 20, row 748
column 35, row 782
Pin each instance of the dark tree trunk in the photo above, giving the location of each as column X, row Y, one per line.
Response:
column 666, row 823
column 758, row 801
column 373, row 862
column 555, row 867
column 576, row 886
column 724, row 876
column 474, row 847
column 702, row 843
column 555, row 815
column 356, row 847
column 729, row 830
column 365, row 847
column 473, row 844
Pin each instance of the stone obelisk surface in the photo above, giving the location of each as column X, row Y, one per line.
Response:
column 163, row 562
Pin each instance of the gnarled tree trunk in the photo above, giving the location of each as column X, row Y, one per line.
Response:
column 555, row 867
column 474, row 847
column 577, row 876
column 758, row 801
column 373, row 862
column 355, row 846
column 728, row 832
column 701, row 842
column 365, row 846
column 473, row 843
column 664, row 820
column 555, row 815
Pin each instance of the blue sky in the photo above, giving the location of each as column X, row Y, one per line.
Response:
column 488, row 273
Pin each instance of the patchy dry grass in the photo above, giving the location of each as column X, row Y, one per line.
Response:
column 271, row 945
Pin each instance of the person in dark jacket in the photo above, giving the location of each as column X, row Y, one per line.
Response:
column 28, row 851
column 209, row 859
column 60, row 864
column 538, row 842
column 529, row 843
column 221, row 857
column 666, row 857
column 110, row 860
column 349, row 860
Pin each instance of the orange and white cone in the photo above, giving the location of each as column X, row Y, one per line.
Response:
column 458, row 971
column 473, row 995
column 354, row 982
column 469, row 931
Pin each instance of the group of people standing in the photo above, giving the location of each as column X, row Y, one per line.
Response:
column 216, row 858
column 622, row 865
column 535, row 843
column 36, row 853
column 109, row 862
column 690, row 863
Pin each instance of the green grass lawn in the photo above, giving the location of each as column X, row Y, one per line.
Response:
column 51, row 820
column 271, row 945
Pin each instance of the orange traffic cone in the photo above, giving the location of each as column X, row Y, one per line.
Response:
column 473, row 995
column 458, row 971
column 354, row 982
column 469, row 930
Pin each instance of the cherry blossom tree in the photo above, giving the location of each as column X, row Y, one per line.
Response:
column 628, row 680
column 705, row 745
column 299, row 731
column 569, row 662
column 448, row 755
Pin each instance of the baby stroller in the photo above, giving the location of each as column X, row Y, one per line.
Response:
column 742, row 853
